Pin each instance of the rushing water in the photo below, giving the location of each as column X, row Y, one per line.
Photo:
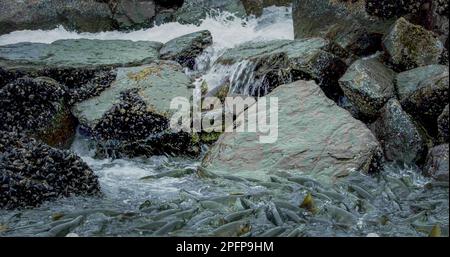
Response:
column 166, row 196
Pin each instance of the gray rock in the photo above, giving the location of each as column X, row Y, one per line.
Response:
column 135, row 111
column 133, row 14
column 341, row 146
column 425, row 96
column 274, row 63
column 345, row 22
column 368, row 84
column 401, row 138
column 409, row 46
column 186, row 48
column 32, row 172
column 81, row 15
column 83, row 65
column 37, row 107
column 408, row 82
column 443, row 125
column 79, row 53
column 437, row 163
column 193, row 11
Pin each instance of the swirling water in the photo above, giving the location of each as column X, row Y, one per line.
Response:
column 164, row 195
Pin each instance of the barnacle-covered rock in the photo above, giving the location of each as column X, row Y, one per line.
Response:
column 32, row 172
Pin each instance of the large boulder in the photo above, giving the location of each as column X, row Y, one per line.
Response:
column 315, row 138
column 83, row 65
column 402, row 140
column 131, row 117
column 37, row 107
column 32, row 172
column 409, row 46
column 266, row 65
column 443, row 125
column 423, row 93
column 187, row 48
column 368, row 84
column 345, row 22
column 194, row 11
column 437, row 163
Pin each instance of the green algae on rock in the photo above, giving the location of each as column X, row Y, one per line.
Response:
column 409, row 46
column 369, row 85
column 341, row 146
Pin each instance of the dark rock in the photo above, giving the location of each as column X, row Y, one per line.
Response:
column 409, row 46
column 443, row 125
column 134, row 112
column 133, row 14
column 368, row 84
column 81, row 15
column 32, row 172
column 345, row 22
column 315, row 138
column 402, row 140
column 38, row 108
column 423, row 93
column 277, row 62
column 186, row 48
column 193, row 11
column 438, row 162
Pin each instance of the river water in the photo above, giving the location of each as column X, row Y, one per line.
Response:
column 165, row 196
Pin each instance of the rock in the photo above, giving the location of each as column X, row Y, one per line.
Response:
column 255, row 7
column 443, row 125
column 423, row 93
column 345, row 22
column 341, row 146
column 38, row 108
column 32, row 172
column 368, row 84
column 134, row 14
column 401, row 138
column 186, row 48
column 81, row 15
column 266, row 65
column 83, row 65
column 409, row 46
column 193, row 11
column 408, row 82
column 131, row 117
column 437, row 163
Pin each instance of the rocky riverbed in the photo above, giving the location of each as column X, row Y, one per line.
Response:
column 86, row 148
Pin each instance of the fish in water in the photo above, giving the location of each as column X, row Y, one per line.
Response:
column 308, row 204
column 232, row 229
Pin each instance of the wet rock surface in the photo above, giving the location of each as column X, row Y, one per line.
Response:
column 437, row 163
column 300, row 147
column 368, row 84
column 282, row 61
column 186, row 48
column 32, row 172
column 135, row 110
column 443, row 124
column 403, row 141
column 193, row 11
column 39, row 108
column 410, row 46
